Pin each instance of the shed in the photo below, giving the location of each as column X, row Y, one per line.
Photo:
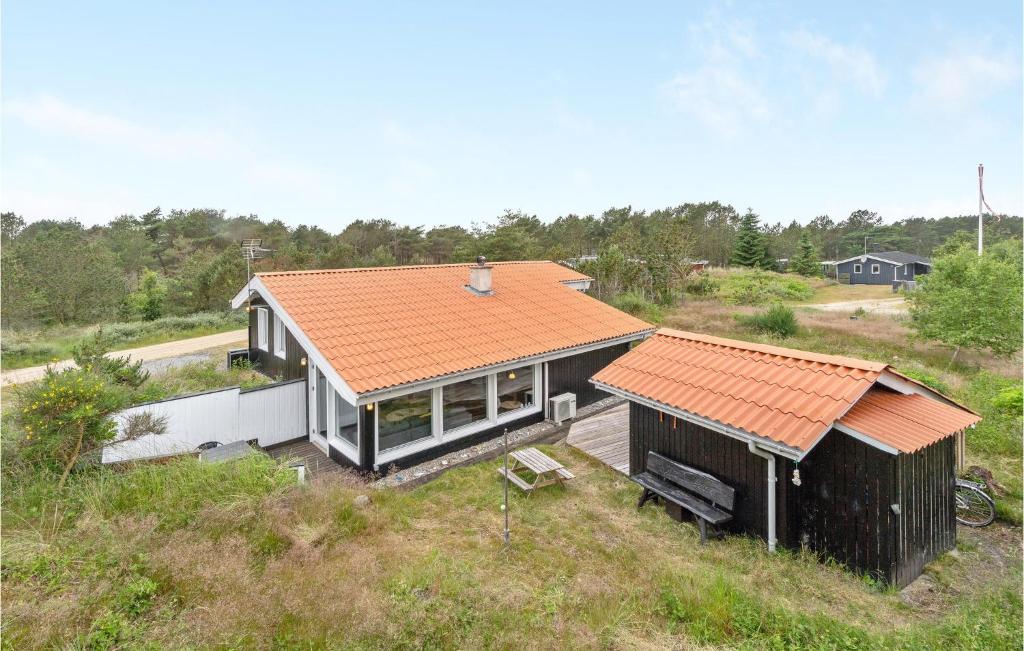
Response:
column 841, row 456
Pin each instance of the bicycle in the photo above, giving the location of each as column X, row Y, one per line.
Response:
column 974, row 507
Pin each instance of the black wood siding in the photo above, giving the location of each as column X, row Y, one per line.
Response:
column 726, row 458
column 843, row 506
column 926, row 526
column 884, row 277
column 572, row 374
column 289, row 368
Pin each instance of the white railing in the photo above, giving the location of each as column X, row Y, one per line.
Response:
column 269, row 414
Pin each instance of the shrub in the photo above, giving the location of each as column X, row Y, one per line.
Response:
column 1010, row 401
column 636, row 304
column 776, row 320
column 761, row 287
column 702, row 284
column 90, row 354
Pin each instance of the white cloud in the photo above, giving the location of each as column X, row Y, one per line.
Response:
column 956, row 79
column 53, row 115
column 850, row 64
column 720, row 91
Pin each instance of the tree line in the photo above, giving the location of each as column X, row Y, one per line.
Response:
column 186, row 261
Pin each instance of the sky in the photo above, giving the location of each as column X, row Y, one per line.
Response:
column 450, row 113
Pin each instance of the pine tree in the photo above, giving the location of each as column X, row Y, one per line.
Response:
column 749, row 250
column 805, row 262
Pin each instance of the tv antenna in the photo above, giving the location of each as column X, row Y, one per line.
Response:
column 252, row 250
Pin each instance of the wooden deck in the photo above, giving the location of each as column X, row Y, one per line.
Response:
column 604, row 436
column 316, row 461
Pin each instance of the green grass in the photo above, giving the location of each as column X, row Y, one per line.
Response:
column 21, row 348
column 638, row 305
column 234, row 556
column 756, row 287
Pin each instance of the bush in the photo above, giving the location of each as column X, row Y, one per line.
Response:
column 702, row 284
column 90, row 354
column 762, row 287
column 1009, row 401
column 776, row 320
column 636, row 304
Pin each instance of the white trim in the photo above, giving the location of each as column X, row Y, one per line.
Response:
column 394, row 392
column 896, row 383
column 858, row 268
column 578, row 285
column 864, row 438
column 345, row 447
column 314, row 354
column 714, row 425
column 876, row 269
column 262, row 329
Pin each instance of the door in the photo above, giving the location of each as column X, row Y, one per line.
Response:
column 317, row 407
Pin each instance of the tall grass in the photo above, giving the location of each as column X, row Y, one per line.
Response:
column 762, row 287
column 637, row 304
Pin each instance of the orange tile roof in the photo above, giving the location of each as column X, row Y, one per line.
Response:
column 387, row 326
column 789, row 396
column 906, row 422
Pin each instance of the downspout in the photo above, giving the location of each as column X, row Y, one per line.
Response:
column 752, row 446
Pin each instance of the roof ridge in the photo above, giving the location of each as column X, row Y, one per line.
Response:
column 736, row 397
column 300, row 272
column 837, row 360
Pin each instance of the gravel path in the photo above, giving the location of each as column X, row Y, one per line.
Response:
column 145, row 353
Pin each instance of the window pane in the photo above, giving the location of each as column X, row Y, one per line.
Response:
column 464, row 402
column 403, row 420
column 515, row 389
column 345, row 419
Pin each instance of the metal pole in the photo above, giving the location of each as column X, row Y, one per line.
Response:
column 504, row 507
column 981, row 199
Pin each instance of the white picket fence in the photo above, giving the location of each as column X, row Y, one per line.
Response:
column 269, row 414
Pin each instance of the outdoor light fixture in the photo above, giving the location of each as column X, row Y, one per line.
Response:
column 369, row 406
column 248, row 308
column 511, row 375
column 302, row 361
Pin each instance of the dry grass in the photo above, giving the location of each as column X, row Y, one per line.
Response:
column 426, row 568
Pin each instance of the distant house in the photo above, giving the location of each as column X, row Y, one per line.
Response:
column 696, row 266
column 883, row 268
column 841, row 456
column 405, row 363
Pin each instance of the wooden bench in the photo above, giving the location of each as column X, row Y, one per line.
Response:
column 707, row 498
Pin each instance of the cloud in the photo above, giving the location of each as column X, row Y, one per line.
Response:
column 52, row 115
column 955, row 79
column 720, row 91
column 848, row 64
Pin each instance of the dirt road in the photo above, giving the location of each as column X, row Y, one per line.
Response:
column 874, row 305
column 144, row 353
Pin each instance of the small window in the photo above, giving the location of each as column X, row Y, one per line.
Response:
column 876, row 268
column 279, row 337
column 515, row 389
column 261, row 328
column 858, row 268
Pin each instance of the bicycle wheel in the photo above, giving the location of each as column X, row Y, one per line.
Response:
column 973, row 507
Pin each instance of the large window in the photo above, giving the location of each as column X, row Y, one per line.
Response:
column 464, row 403
column 345, row 416
column 403, row 420
column 515, row 389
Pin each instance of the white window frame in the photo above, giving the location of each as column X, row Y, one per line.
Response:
column 280, row 340
column 858, row 268
column 876, row 269
column 261, row 329
column 439, row 436
column 346, row 448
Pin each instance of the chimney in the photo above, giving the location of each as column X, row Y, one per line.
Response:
column 480, row 277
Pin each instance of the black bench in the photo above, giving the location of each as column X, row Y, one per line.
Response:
column 707, row 498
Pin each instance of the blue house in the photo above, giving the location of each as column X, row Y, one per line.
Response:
column 883, row 268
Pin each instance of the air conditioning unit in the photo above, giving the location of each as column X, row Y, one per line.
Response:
column 563, row 407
